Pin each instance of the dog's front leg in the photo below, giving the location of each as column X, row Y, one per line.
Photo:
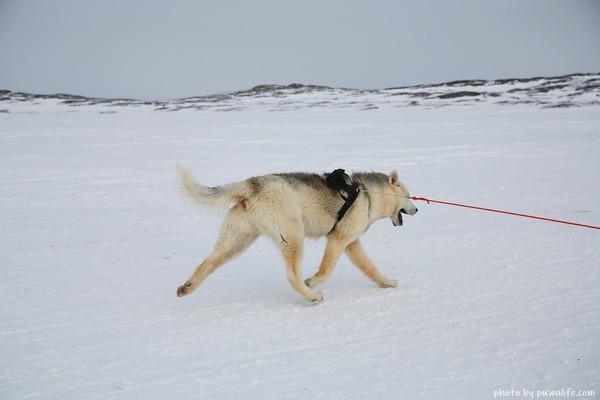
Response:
column 334, row 249
column 363, row 262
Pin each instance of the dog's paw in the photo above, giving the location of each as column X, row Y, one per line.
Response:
column 388, row 283
column 317, row 298
column 184, row 289
column 307, row 282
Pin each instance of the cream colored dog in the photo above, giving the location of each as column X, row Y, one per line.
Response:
column 286, row 208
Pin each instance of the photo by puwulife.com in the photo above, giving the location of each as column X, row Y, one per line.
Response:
column 544, row 393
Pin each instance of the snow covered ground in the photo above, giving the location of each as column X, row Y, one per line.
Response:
column 96, row 235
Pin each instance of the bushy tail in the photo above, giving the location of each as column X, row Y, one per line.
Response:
column 219, row 197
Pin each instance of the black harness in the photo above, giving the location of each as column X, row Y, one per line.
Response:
column 337, row 180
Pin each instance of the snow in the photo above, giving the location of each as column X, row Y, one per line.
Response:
column 575, row 90
column 97, row 235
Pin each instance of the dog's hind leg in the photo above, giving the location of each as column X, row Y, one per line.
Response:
column 291, row 245
column 235, row 237
column 363, row 262
column 292, row 254
column 335, row 247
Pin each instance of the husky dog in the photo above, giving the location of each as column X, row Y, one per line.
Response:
column 289, row 207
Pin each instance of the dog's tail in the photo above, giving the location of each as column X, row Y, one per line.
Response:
column 220, row 197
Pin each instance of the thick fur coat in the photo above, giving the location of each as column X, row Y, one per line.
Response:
column 289, row 207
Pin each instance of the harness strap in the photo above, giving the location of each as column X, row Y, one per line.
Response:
column 337, row 180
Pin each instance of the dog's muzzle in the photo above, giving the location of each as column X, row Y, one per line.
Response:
column 403, row 211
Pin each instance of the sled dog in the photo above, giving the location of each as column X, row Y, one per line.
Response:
column 289, row 207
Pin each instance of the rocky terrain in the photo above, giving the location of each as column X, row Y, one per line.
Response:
column 576, row 90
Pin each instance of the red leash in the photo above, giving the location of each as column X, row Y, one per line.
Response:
column 504, row 212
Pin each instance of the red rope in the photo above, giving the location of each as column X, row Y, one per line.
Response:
column 504, row 212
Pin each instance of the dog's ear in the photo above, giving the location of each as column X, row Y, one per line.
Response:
column 393, row 179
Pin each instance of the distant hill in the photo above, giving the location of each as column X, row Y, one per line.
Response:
column 576, row 90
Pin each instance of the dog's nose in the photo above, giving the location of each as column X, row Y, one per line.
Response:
column 416, row 210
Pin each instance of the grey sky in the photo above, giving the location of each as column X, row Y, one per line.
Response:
column 151, row 49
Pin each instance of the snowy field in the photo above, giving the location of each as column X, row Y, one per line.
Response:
column 96, row 235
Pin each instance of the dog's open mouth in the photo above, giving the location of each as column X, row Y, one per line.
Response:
column 399, row 222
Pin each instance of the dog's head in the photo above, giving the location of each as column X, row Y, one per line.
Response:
column 403, row 203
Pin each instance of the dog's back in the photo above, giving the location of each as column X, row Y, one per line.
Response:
column 299, row 194
column 317, row 203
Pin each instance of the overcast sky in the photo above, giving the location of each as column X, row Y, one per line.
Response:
column 161, row 49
